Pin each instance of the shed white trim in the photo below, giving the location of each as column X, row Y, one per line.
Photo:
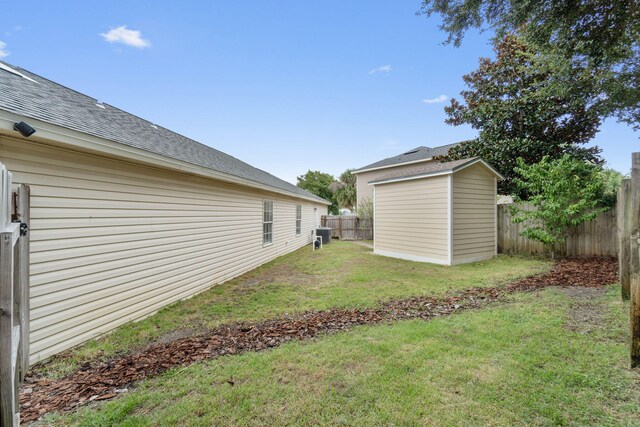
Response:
column 410, row 257
column 391, row 166
column 374, row 219
column 439, row 173
column 411, row 178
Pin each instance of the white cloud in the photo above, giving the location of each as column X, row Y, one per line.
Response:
column 3, row 49
column 126, row 36
column 381, row 69
column 437, row 100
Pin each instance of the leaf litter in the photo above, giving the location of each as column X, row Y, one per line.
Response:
column 102, row 380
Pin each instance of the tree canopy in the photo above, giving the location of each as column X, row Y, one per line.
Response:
column 600, row 35
column 611, row 182
column 344, row 190
column 523, row 108
column 319, row 183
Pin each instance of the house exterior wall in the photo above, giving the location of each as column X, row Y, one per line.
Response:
column 474, row 214
column 411, row 219
column 365, row 191
column 114, row 241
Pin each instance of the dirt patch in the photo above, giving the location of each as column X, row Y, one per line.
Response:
column 104, row 380
column 585, row 312
column 281, row 273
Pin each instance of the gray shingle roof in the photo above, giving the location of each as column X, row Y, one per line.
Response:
column 419, row 153
column 428, row 169
column 38, row 98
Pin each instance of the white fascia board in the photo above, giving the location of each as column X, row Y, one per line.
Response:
column 391, row 166
column 373, row 215
column 411, row 178
column 445, row 172
column 47, row 133
column 479, row 160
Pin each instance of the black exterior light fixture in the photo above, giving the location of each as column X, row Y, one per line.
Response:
column 24, row 129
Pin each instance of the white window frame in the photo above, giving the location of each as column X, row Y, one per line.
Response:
column 267, row 222
column 298, row 220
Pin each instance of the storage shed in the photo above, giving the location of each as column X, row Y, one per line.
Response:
column 128, row 216
column 444, row 213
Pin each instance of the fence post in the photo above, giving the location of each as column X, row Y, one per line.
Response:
column 9, row 335
column 623, row 210
column 634, row 263
column 22, row 275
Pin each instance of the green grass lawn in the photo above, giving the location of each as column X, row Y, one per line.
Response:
column 546, row 358
column 341, row 275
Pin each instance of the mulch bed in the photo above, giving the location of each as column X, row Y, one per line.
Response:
column 105, row 380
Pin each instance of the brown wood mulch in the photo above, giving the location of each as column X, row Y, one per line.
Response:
column 104, row 380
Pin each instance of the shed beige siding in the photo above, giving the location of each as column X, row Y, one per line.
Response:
column 411, row 219
column 474, row 214
column 365, row 191
column 113, row 241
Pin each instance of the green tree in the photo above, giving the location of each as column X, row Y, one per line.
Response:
column 365, row 208
column 563, row 192
column 521, row 106
column 319, row 183
column 600, row 35
column 344, row 190
column 611, row 182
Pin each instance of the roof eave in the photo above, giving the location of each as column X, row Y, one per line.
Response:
column 412, row 177
column 453, row 170
column 367, row 169
column 68, row 137
column 479, row 160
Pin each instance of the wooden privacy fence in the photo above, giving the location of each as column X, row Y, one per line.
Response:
column 597, row 237
column 349, row 227
column 14, row 296
column 629, row 259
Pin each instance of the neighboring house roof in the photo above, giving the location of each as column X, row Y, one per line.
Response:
column 415, row 155
column 432, row 169
column 27, row 94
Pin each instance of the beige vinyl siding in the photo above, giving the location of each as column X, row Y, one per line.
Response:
column 113, row 241
column 474, row 210
column 365, row 191
column 411, row 219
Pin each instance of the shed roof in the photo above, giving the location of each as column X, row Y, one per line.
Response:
column 414, row 155
column 433, row 169
column 29, row 95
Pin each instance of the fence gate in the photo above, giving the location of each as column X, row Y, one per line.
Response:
column 14, row 296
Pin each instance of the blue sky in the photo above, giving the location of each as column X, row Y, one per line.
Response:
column 286, row 86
